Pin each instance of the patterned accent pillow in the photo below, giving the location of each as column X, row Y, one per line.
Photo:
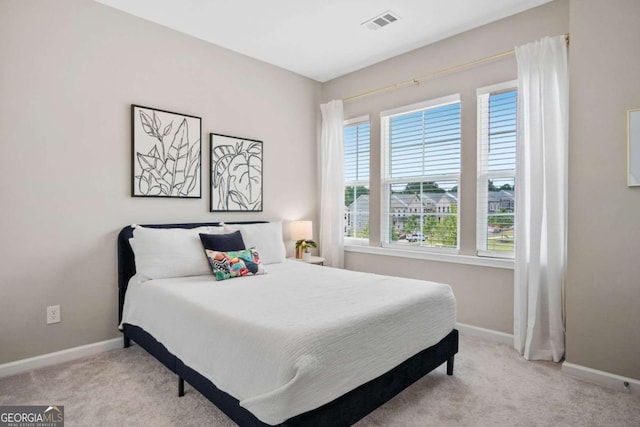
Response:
column 227, row 265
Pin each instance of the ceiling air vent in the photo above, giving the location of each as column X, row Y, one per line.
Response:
column 381, row 20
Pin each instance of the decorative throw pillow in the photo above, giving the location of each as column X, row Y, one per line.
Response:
column 227, row 265
column 223, row 242
column 265, row 237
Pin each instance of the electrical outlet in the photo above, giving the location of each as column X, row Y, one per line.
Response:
column 53, row 314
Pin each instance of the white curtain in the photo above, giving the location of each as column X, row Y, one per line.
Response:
column 332, row 184
column 541, row 199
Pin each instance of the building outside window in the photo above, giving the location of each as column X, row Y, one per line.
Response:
column 421, row 174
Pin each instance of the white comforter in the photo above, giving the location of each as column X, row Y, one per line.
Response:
column 295, row 338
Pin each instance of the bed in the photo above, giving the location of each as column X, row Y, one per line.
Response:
column 327, row 354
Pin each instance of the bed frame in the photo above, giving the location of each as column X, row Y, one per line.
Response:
column 343, row 411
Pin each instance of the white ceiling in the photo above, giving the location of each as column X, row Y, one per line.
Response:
column 321, row 39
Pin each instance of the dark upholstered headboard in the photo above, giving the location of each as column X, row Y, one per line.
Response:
column 126, row 260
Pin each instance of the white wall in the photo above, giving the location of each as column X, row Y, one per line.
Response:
column 69, row 72
column 603, row 280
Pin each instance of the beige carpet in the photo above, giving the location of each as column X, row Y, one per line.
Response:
column 491, row 386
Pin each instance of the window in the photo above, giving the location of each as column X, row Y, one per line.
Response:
column 356, row 178
column 496, row 186
column 421, row 172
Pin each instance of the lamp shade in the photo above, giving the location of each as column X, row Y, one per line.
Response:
column 302, row 230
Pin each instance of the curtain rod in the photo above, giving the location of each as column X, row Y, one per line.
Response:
column 417, row 80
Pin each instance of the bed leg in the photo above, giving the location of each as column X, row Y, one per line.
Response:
column 127, row 342
column 180, row 386
column 450, row 366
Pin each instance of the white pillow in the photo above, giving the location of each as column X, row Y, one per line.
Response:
column 266, row 238
column 170, row 252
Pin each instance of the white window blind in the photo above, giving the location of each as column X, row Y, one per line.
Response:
column 497, row 132
column 356, row 176
column 421, row 173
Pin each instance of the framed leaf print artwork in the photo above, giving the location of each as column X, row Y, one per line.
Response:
column 166, row 154
column 236, row 174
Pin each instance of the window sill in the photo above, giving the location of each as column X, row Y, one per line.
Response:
column 433, row 256
column 351, row 241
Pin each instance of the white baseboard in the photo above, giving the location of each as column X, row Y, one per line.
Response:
column 616, row 382
column 489, row 334
column 24, row 365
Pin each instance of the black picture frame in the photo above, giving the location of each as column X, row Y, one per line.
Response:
column 166, row 153
column 236, row 183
